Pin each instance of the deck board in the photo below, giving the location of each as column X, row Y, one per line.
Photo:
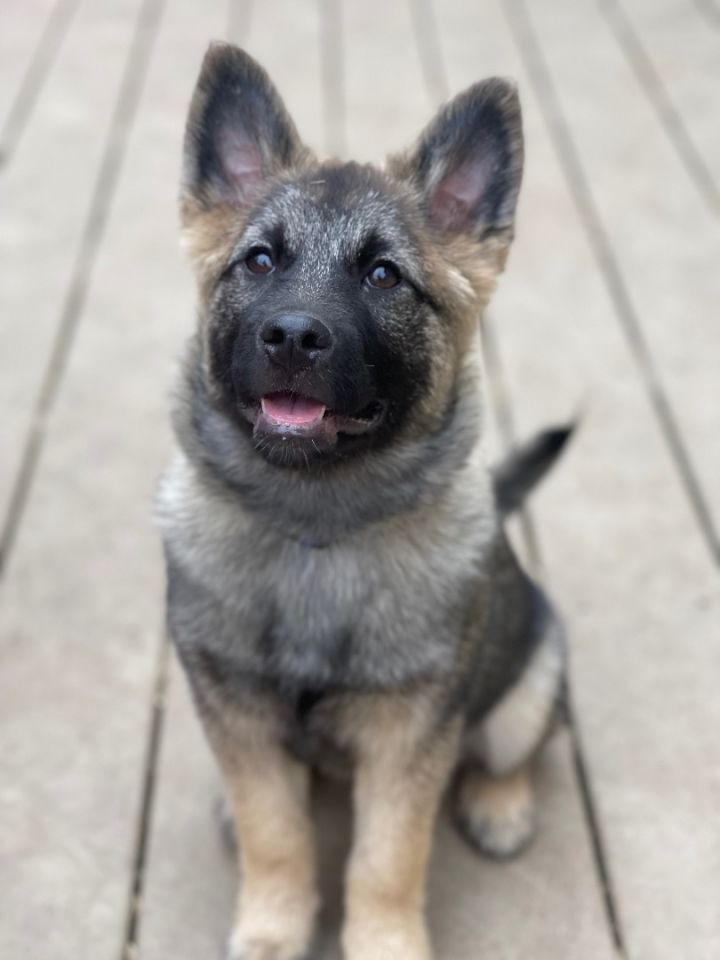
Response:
column 46, row 199
column 674, row 54
column 385, row 93
column 80, row 609
column 25, row 26
column 628, row 566
column 190, row 880
column 620, row 545
column 663, row 237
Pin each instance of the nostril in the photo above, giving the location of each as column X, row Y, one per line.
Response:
column 274, row 336
column 310, row 341
column 315, row 337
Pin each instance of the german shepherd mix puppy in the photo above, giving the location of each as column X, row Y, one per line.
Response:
column 341, row 592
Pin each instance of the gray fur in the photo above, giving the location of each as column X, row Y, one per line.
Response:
column 371, row 579
column 384, row 567
column 388, row 554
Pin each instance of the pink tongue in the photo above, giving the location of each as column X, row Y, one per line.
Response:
column 286, row 408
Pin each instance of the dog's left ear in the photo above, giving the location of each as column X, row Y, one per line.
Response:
column 238, row 131
column 468, row 162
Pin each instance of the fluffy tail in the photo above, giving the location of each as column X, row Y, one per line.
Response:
column 516, row 475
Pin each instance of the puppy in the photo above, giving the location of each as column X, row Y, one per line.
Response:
column 340, row 590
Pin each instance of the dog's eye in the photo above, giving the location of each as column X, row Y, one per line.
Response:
column 384, row 275
column 260, row 261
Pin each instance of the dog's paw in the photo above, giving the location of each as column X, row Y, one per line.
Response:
column 382, row 935
column 390, row 948
column 242, row 948
column 275, row 933
column 497, row 815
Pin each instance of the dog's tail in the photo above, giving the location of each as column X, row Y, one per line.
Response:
column 516, row 475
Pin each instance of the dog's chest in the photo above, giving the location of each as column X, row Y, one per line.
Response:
column 380, row 608
column 350, row 616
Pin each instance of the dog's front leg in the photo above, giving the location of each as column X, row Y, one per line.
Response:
column 267, row 790
column 403, row 763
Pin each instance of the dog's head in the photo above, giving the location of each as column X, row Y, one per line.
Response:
column 339, row 302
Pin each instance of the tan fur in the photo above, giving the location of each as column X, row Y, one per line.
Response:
column 347, row 619
column 510, row 733
column 496, row 813
column 208, row 237
column 462, row 275
column 210, row 231
column 403, row 765
column 268, row 794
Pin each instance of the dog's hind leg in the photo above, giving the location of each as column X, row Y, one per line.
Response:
column 496, row 814
column 493, row 796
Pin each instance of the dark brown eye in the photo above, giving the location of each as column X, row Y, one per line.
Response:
column 384, row 276
column 260, row 261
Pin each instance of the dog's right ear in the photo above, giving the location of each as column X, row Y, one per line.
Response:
column 238, row 132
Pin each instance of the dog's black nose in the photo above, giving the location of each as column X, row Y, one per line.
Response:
column 294, row 341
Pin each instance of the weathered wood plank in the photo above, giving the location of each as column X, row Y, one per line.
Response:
column 24, row 26
column 473, row 45
column 657, row 236
column 80, row 610
column 46, row 195
column 190, row 881
column 675, row 57
column 287, row 40
column 386, row 103
column 621, row 550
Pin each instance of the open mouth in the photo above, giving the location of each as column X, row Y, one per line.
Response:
column 290, row 410
column 293, row 415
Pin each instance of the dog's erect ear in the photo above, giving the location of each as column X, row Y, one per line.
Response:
column 238, row 131
column 468, row 161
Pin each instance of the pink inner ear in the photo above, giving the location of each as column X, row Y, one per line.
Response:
column 242, row 164
column 459, row 192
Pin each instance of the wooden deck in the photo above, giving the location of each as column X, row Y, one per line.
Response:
column 108, row 846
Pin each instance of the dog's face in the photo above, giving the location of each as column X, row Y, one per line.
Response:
column 338, row 301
